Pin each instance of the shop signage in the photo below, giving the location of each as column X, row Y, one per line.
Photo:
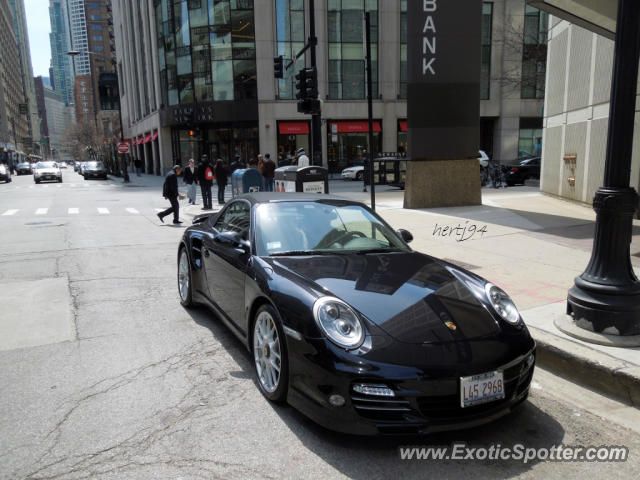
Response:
column 443, row 68
column 202, row 113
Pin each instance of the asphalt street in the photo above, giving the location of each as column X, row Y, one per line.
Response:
column 104, row 375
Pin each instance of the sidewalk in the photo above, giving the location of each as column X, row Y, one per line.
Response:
column 533, row 246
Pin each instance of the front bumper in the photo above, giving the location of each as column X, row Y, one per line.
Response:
column 348, row 175
column 426, row 400
column 95, row 174
column 47, row 177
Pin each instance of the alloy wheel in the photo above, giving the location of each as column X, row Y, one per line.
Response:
column 183, row 276
column 267, row 352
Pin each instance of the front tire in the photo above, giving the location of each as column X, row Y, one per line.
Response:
column 359, row 176
column 184, row 279
column 269, row 349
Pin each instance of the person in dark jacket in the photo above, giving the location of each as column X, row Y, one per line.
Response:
column 170, row 192
column 204, row 169
column 190, row 180
column 268, row 169
column 236, row 164
column 221, row 179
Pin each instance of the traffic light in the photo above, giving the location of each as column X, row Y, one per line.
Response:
column 307, row 91
column 307, row 84
column 278, row 67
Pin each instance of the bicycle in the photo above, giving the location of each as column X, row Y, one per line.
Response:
column 496, row 174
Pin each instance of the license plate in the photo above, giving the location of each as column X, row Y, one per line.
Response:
column 482, row 388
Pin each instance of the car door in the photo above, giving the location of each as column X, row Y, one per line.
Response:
column 226, row 263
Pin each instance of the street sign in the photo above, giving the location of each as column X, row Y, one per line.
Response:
column 123, row 148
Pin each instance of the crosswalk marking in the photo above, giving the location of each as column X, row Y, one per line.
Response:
column 58, row 185
column 159, row 210
column 103, row 211
column 132, row 210
column 73, row 211
column 42, row 211
column 10, row 212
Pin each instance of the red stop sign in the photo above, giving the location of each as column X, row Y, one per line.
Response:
column 123, row 148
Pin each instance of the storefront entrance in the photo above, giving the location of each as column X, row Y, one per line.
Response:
column 291, row 136
column 347, row 141
column 216, row 141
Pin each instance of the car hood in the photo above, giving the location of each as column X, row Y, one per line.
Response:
column 40, row 171
column 411, row 296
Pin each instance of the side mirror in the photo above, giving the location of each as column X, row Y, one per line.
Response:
column 405, row 235
column 234, row 240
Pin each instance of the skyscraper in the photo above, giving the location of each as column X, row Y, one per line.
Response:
column 26, row 71
column 14, row 128
column 60, row 39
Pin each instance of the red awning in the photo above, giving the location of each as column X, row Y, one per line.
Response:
column 139, row 141
column 147, row 139
column 403, row 125
column 154, row 136
column 293, row 128
column 355, row 127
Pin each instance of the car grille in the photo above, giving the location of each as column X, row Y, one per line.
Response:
column 443, row 408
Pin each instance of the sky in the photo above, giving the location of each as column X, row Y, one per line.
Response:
column 37, row 12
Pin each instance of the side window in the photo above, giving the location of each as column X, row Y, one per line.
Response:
column 236, row 218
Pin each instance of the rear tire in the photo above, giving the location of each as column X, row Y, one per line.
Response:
column 184, row 279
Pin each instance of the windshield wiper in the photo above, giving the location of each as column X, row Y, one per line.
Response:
column 378, row 250
column 293, row 253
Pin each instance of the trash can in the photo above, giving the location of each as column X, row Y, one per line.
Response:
column 302, row 179
column 245, row 180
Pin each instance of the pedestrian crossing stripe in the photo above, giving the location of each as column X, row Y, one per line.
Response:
column 42, row 211
column 103, row 211
column 73, row 211
column 9, row 212
column 131, row 210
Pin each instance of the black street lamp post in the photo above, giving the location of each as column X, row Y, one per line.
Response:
column 606, row 297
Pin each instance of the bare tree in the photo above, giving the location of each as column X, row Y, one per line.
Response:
column 82, row 138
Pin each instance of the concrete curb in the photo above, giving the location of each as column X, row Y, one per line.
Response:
column 594, row 369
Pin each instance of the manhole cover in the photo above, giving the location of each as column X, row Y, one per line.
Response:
column 466, row 266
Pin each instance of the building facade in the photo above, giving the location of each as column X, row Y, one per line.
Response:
column 197, row 77
column 60, row 39
column 32, row 141
column 14, row 125
column 577, row 113
column 59, row 118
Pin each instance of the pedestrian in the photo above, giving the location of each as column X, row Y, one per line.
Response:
column 303, row 160
column 205, row 179
column 190, row 180
column 236, row 164
column 260, row 169
column 221, row 179
column 268, row 169
column 170, row 192
column 138, row 165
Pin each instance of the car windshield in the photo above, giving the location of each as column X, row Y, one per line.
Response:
column 317, row 227
column 47, row 165
column 95, row 165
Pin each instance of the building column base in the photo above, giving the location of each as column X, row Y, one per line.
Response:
column 442, row 183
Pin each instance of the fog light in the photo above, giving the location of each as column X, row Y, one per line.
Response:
column 530, row 360
column 336, row 400
column 371, row 389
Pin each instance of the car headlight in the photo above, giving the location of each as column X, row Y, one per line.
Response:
column 502, row 303
column 339, row 322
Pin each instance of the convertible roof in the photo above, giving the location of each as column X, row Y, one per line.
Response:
column 268, row 197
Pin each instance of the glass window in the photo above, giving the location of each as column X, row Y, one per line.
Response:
column 236, row 218
column 219, row 12
column 220, row 43
column 485, row 65
column 222, row 76
column 244, row 79
column 290, row 32
column 534, row 53
column 346, row 58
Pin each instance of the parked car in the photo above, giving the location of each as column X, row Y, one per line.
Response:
column 523, row 170
column 5, row 173
column 24, row 168
column 353, row 173
column 94, row 170
column 47, row 171
column 348, row 324
column 62, row 165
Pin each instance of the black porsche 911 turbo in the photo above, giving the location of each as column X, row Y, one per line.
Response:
column 348, row 324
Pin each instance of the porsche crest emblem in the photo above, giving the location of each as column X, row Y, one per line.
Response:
column 451, row 326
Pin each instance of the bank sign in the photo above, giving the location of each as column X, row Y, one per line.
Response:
column 443, row 78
